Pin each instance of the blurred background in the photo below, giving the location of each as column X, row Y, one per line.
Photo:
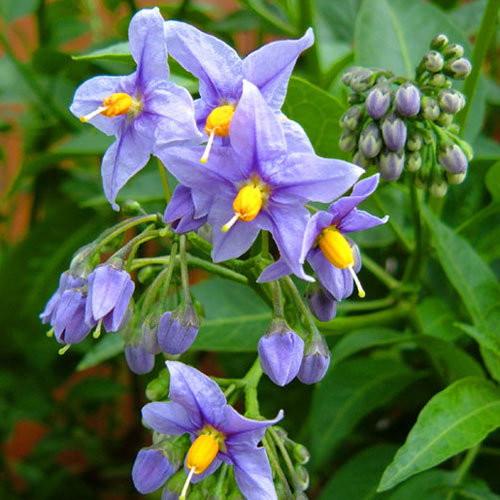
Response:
column 67, row 432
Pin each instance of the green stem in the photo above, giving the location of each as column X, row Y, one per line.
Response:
column 379, row 272
column 251, row 381
column 379, row 318
column 164, row 180
column 463, row 469
column 414, row 265
column 265, row 244
column 300, row 303
column 286, row 457
column 486, row 30
column 365, row 305
column 184, row 270
column 220, row 481
column 277, row 300
column 275, row 465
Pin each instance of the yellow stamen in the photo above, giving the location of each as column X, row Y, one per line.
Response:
column 202, row 453
column 217, row 124
column 116, row 104
column 246, row 205
column 338, row 252
column 97, row 331
column 64, row 349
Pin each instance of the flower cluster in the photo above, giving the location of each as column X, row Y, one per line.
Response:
column 396, row 123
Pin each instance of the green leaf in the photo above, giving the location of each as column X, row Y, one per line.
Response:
column 351, row 390
column 108, row 347
column 319, row 113
column 482, row 336
column 368, row 464
column 455, row 419
column 395, row 34
column 492, row 181
column 360, row 340
column 492, row 361
column 235, row 318
column 88, row 142
column 437, row 318
column 119, row 52
column 476, row 489
column 431, row 485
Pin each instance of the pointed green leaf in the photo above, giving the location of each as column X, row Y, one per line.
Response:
column 119, row 52
column 455, row 419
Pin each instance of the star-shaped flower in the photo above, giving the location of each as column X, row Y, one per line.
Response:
column 141, row 109
column 258, row 183
column 218, row 432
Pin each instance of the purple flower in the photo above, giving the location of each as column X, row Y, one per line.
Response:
column 110, row 291
column 69, row 321
column 316, row 361
column 280, row 351
column 141, row 109
column 218, row 432
column 138, row 359
column 177, row 330
column 258, row 182
column 151, row 469
column 321, row 303
column 182, row 213
column 333, row 257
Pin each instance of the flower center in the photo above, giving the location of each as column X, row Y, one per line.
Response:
column 217, row 123
column 246, row 205
column 116, row 104
column 338, row 252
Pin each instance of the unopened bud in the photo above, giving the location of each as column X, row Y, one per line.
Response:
column 301, row 454
column 132, row 207
column 438, row 189
column 413, row 161
column 394, row 132
column 348, row 140
column 407, row 100
column 456, row 178
column 138, row 359
column 438, row 80
column 321, row 302
column 430, row 109
column 453, row 50
column 149, row 333
column 451, row 101
column 378, row 101
column 362, row 80
column 302, row 476
column 453, row 159
column 458, row 68
column 151, row 469
column 177, row 330
column 315, row 362
column 414, row 142
column 349, row 73
column 157, row 389
column 444, row 119
column 467, row 149
column 391, row 164
column 420, row 182
column 370, row 142
column 439, row 42
column 355, row 99
column 360, row 160
column 352, row 118
column 433, row 61
column 145, row 274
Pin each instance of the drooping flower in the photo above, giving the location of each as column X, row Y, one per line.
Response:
column 316, row 361
column 218, row 433
column 321, row 302
column 177, row 329
column 138, row 359
column 333, row 258
column 259, row 183
column 181, row 211
column 221, row 72
column 109, row 293
column 151, row 469
column 140, row 109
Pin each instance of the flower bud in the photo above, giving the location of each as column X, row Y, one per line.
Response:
column 456, row 178
column 138, row 359
column 444, row 119
column 69, row 321
column 394, row 132
column 280, row 351
column 415, row 141
column 378, row 101
column 430, row 109
column 145, row 274
column 391, row 164
column 301, row 454
column 433, row 61
column 407, row 100
column 321, row 303
column 177, row 330
column 451, row 101
column 349, row 73
column 149, row 333
column 438, row 80
column 352, row 118
column 458, row 68
column 347, row 141
column 438, row 189
column 370, row 142
column 302, row 476
column 315, row 362
column 362, row 80
column 453, row 50
column 151, row 469
column 413, row 161
column 131, row 208
column 453, row 159
column 355, row 98
column 360, row 160
column 420, row 182
column 439, row 42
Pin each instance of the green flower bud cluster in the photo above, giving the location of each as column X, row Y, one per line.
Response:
column 396, row 124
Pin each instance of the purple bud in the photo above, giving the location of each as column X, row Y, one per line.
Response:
column 178, row 329
column 151, row 469
column 315, row 362
column 459, row 68
column 407, row 100
column 430, row 108
column 391, row 164
column 149, row 337
column 370, row 142
column 321, row 303
column 378, row 102
column 138, row 359
column 453, row 159
column 394, row 132
column 433, row 61
column 280, row 351
column 69, row 322
column 110, row 290
column 451, row 101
